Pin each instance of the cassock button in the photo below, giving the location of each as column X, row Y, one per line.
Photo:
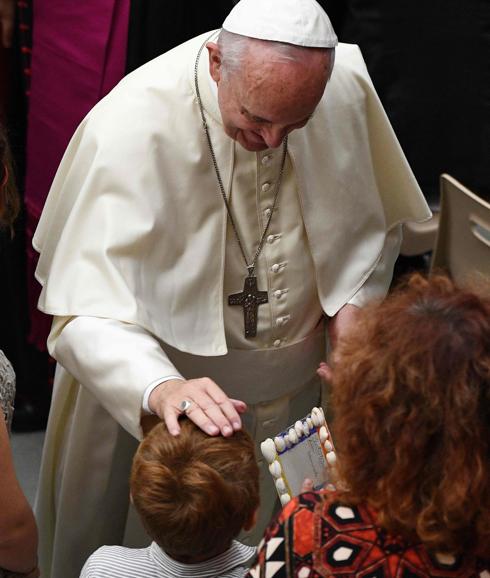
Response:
column 271, row 239
column 266, row 159
column 275, row 268
column 266, row 187
column 267, row 212
column 278, row 294
column 282, row 320
column 277, row 343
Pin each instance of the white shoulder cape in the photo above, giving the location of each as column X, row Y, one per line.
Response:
column 134, row 226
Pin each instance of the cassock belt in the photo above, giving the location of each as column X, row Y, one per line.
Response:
column 258, row 375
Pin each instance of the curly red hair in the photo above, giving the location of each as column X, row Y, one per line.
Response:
column 411, row 397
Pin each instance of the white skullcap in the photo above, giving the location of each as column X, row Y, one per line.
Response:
column 299, row 22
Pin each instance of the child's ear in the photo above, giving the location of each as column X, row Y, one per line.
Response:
column 249, row 524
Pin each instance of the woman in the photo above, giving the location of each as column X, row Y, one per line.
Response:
column 411, row 396
column 18, row 533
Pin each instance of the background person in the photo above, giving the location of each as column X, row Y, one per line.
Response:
column 411, row 397
column 18, row 533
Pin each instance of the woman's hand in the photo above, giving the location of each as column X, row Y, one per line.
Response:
column 307, row 485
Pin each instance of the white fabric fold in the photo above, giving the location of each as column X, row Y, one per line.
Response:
column 115, row 361
column 378, row 282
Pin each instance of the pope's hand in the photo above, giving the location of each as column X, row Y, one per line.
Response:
column 210, row 408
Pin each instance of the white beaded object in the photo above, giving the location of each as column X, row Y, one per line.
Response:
column 285, row 498
column 310, row 423
column 298, row 428
column 331, row 458
column 287, row 441
column 268, row 449
column 328, row 446
column 306, row 429
column 318, row 413
column 293, row 436
column 281, row 486
column 280, row 443
column 275, row 469
column 323, row 433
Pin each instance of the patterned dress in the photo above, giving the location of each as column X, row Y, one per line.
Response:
column 7, row 389
column 317, row 536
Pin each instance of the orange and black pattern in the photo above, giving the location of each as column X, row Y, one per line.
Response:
column 317, row 536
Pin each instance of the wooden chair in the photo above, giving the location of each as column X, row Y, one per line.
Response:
column 463, row 240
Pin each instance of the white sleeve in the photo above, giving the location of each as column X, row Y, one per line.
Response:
column 117, row 362
column 377, row 284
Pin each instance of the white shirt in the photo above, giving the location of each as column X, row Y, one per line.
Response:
column 152, row 562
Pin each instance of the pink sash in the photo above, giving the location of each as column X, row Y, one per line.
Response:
column 79, row 54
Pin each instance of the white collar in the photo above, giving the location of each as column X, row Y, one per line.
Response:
column 237, row 555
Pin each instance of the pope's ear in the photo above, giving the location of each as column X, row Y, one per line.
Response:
column 214, row 54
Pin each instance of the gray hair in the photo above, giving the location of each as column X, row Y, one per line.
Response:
column 234, row 47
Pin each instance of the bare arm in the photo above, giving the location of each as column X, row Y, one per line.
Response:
column 18, row 532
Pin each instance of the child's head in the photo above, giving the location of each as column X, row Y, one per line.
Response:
column 195, row 493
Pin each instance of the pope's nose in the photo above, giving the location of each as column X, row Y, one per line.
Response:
column 273, row 136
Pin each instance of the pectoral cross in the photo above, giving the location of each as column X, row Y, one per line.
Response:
column 250, row 299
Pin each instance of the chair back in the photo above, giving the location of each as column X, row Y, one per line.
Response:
column 463, row 241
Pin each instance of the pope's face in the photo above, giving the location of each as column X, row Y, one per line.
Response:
column 266, row 99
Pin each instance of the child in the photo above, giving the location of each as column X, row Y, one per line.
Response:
column 194, row 494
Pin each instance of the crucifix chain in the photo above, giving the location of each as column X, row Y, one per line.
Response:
column 250, row 266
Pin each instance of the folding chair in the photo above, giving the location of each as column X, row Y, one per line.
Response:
column 463, row 240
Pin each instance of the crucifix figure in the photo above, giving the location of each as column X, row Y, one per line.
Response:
column 250, row 299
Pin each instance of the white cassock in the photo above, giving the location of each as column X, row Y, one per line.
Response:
column 138, row 259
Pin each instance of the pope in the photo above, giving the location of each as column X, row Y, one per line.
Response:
column 215, row 219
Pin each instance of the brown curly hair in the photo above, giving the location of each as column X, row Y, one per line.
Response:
column 194, row 493
column 9, row 199
column 411, row 397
